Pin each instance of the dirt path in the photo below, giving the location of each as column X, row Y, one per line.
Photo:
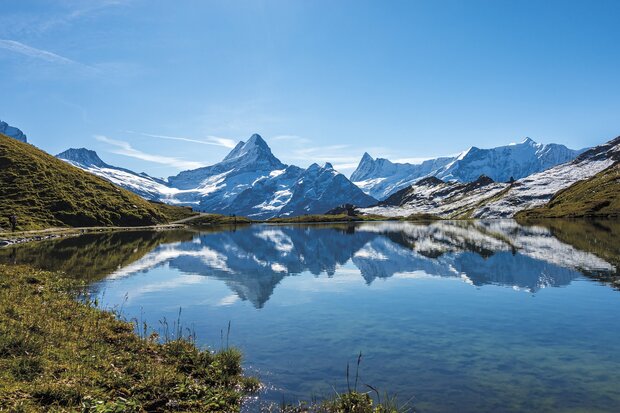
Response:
column 12, row 238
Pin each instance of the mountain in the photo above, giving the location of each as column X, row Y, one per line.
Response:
column 537, row 189
column 318, row 187
column 253, row 157
column 12, row 132
column 142, row 184
column 382, row 178
column 249, row 181
column 503, row 162
column 485, row 198
column 43, row 191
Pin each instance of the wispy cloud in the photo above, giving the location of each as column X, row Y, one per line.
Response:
column 414, row 161
column 30, row 51
column 125, row 148
column 209, row 140
column 339, row 155
column 25, row 50
column 67, row 14
column 290, row 138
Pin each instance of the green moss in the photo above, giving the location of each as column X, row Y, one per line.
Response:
column 45, row 192
column 598, row 196
column 60, row 354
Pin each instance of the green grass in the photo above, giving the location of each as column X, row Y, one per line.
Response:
column 349, row 402
column 45, row 192
column 61, row 354
column 598, row 196
column 217, row 219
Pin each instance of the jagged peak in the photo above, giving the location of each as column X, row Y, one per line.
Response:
column 253, row 151
column 256, row 140
column 366, row 158
column 328, row 165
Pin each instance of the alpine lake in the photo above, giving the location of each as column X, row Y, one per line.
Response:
column 467, row 316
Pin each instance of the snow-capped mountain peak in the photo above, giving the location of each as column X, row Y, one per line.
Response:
column 255, row 149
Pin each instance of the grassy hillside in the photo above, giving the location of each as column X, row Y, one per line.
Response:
column 43, row 192
column 598, row 196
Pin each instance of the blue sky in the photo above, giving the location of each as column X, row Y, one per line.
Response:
column 161, row 86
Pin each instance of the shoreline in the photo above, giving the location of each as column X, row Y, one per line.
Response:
column 8, row 239
column 47, row 320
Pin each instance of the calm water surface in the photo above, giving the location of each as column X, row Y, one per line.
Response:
column 454, row 316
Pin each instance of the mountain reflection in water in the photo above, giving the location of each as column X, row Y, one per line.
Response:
column 252, row 260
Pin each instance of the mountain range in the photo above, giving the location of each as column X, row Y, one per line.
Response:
column 478, row 183
column 249, row 181
column 485, row 198
column 381, row 178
